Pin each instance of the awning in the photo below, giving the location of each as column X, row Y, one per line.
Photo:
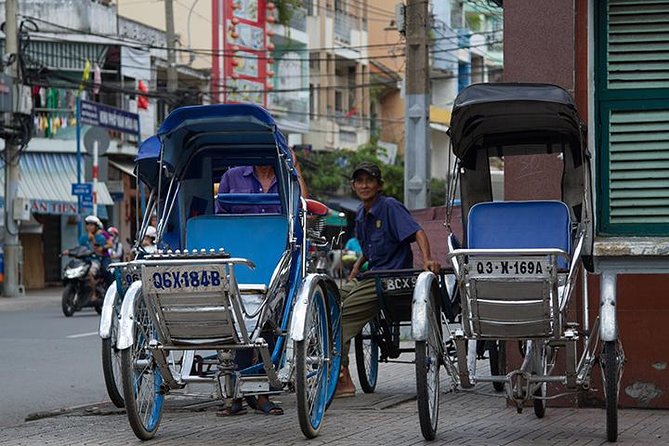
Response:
column 46, row 180
column 127, row 167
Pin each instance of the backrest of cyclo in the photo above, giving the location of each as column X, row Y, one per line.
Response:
column 513, row 309
column 520, row 225
column 259, row 238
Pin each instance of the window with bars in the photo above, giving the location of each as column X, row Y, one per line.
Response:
column 632, row 100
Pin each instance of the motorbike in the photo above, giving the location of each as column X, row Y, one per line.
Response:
column 78, row 293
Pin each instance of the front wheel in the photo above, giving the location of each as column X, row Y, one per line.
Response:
column 335, row 345
column 427, row 382
column 367, row 357
column 141, row 378
column 67, row 301
column 541, row 354
column 611, row 362
column 311, row 366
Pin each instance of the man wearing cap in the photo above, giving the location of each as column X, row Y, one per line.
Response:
column 385, row 229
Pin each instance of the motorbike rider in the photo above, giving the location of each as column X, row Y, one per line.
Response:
column 116, row 250
column 95, row 240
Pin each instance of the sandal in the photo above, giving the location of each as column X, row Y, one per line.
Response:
column 235, row 408
column 269, row 408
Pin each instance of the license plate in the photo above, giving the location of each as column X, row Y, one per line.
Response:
column 390, row 284
column 129, row 275
column 184, row 279
column 533, row 267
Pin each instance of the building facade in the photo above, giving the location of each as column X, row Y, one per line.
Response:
column 609, row 55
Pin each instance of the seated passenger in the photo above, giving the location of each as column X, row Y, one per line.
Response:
column 385, row 229
column 248, row 180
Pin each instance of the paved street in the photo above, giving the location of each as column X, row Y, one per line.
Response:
column 387, row 417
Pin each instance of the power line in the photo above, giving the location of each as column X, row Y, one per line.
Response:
column 222, row 52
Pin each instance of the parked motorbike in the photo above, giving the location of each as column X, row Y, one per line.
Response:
column 78, row 293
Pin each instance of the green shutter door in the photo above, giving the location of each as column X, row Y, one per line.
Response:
column 632, row 94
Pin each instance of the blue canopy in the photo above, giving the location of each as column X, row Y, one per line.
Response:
column 237, row 128
column 146, row 161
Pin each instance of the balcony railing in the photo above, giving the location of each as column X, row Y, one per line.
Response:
column 344, row 24
column 298, row 20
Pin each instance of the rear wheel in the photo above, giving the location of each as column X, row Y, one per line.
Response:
column 111, row 361
column 427, row 381
column 67, row 301
column 367, row 357
column 311, row 366
column 141, row 377
column 611, row 363
column 111, row 369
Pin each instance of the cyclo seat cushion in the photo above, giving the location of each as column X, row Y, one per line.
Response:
column 538, row 224
column 259, row 238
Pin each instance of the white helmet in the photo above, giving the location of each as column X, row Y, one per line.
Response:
column 151, row 232
column 94, row 220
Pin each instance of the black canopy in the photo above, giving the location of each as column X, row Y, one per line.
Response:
column 513, row 119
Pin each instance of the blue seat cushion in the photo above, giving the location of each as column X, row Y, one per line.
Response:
column 259, row 238
column 520, row 225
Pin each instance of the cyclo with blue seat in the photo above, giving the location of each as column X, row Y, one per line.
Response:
column 517, row 270
column 225, row 282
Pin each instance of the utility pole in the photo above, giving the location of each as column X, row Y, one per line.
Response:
column 171, row 54
column 12, row 248
column 417, row 106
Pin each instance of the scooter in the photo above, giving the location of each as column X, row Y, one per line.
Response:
column 78, row 293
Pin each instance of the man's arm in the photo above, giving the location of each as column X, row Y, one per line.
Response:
column 356, row 267
column 424, row 246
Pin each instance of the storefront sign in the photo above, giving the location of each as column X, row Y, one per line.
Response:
column 53, row 207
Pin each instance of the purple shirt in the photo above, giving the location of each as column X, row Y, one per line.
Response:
column 243, row 180
column 385, row 234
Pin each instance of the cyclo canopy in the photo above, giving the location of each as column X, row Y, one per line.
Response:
column 495, row 120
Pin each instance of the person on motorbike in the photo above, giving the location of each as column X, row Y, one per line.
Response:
column 116, row 250
column 95, row 240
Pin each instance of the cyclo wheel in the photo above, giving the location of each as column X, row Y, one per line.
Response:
column 141, row 378
column 111, row 360
column 497, row 352
column 311, row 358
column 541, row 366
column 335, row 347
column 428, row 362
column 367, row 357
column 611, row 364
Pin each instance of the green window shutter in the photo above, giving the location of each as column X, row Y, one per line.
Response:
column 632, row 100
column 638, row 44
column 639, row 166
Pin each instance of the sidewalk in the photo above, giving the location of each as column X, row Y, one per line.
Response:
column 32, row 298
column 387, row 417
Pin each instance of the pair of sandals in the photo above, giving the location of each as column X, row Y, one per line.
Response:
column 236, row 408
